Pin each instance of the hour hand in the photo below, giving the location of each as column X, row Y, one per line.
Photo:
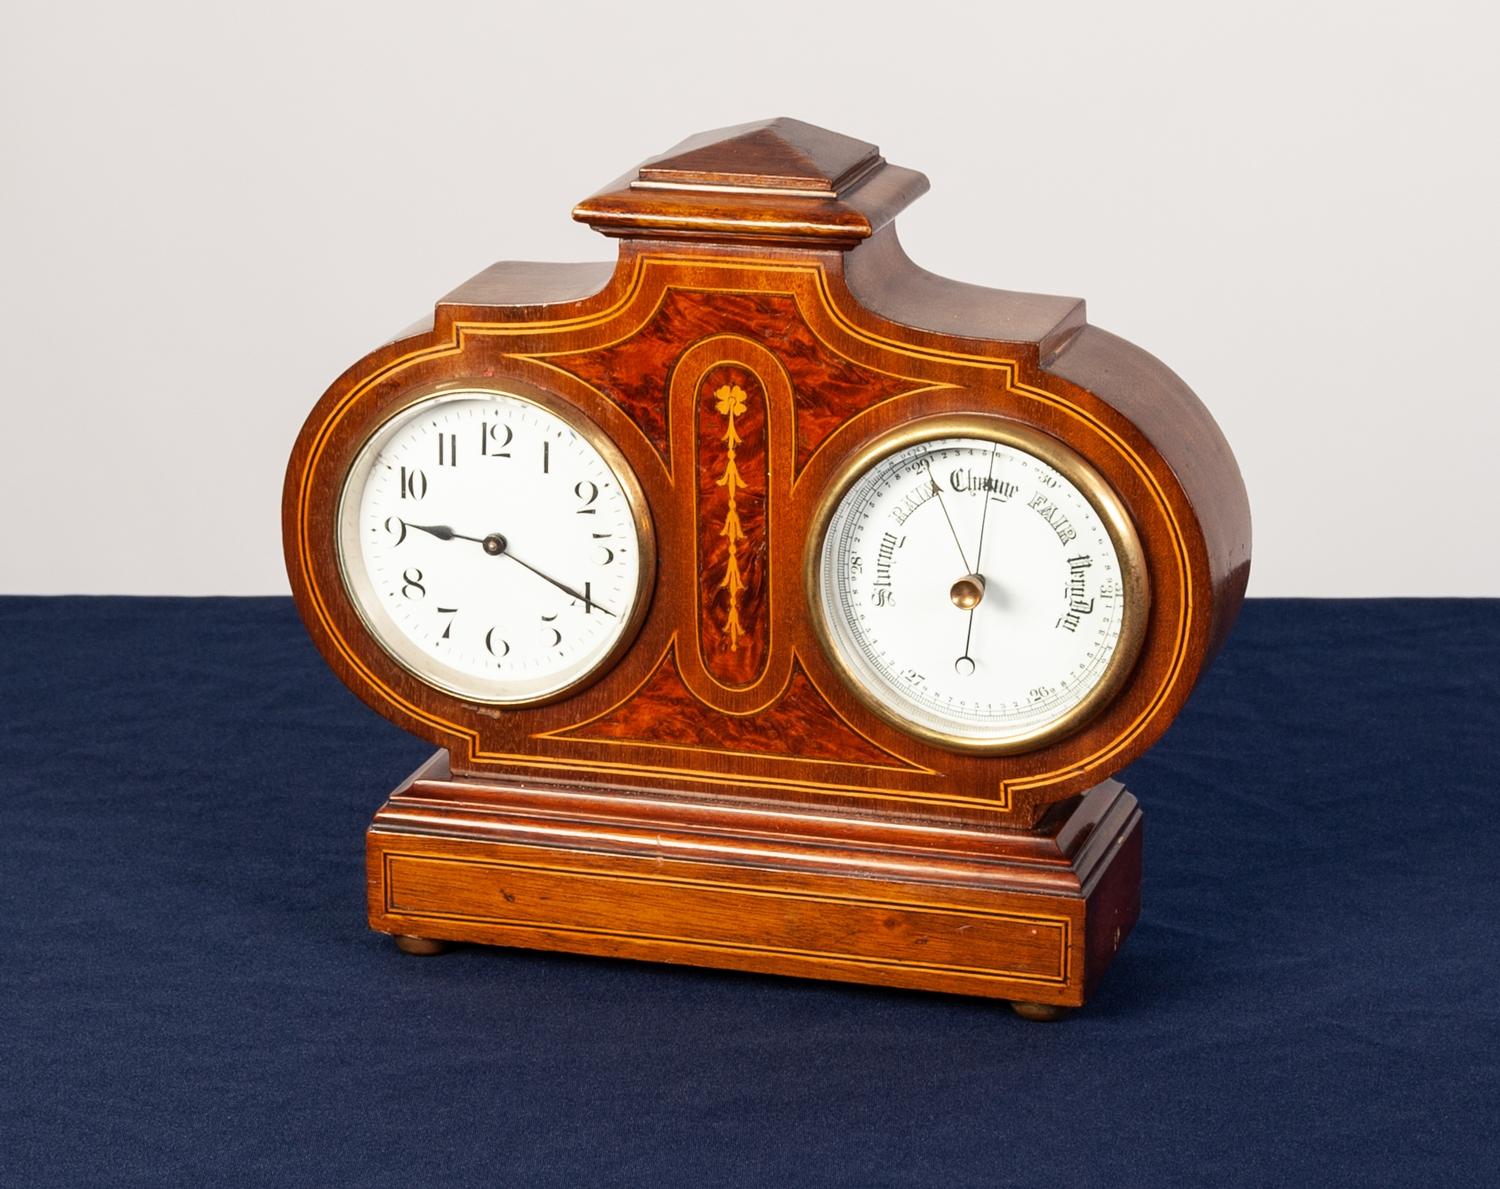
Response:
column 443, row 532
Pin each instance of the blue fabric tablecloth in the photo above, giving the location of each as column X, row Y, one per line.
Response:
column 189, row 994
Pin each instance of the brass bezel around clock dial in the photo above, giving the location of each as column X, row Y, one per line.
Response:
column 383, row 629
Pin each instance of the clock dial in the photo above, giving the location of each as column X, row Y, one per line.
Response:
column 495, row 546
column 978, row 584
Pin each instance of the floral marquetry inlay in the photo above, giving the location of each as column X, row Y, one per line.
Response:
column 732, row 523
column 729, row 399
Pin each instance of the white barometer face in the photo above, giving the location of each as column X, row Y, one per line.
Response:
column 979, row 584
column 496, row 546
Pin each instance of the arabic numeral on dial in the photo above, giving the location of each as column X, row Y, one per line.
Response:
column 411, row 584
column 556, row 635
column 588, row 492
column 495, row 646
column 1038, row 693
column 397, row 528
column 450, row 612
column 447, row 449
column 609, row 553
column 494, row 440
column 413, row 484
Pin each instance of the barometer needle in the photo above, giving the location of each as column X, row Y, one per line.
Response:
column 938, row 491
column 979, row 551
column 496, row 545
column 989, row 477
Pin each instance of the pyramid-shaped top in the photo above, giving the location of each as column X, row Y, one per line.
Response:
column 782, row 155
column 776, row 181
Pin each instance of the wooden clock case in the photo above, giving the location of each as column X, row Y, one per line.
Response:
column 717, row 797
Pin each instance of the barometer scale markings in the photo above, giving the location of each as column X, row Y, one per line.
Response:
column 1053, row 508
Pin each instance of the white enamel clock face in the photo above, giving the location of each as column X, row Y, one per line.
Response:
column 981, row 587
column 495, row 547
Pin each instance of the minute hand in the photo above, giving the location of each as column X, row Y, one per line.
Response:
column 496, row 545
column 562, row 586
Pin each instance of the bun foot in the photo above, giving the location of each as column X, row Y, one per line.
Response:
column 423, row 947
column 1039, row 1012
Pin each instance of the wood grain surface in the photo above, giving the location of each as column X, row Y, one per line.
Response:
column 760, row 325
column 1032, row 916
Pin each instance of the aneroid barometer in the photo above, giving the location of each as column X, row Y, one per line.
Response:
column 773, row 603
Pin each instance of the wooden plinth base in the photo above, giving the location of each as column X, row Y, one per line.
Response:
column 1033, row 917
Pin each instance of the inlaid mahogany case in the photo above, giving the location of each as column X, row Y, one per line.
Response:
column 717, row 796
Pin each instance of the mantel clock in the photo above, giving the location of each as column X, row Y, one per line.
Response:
column 773, row 603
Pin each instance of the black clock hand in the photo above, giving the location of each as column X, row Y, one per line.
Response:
column 442, row 532
column 503, row 551
column 938, row 491
column 496, row 545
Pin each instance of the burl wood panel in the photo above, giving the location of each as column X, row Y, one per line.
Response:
column 733, row 544
column 664, row 710
column 634, row 373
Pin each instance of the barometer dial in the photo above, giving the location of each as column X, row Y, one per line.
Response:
column 978, row 583
column 496, row 545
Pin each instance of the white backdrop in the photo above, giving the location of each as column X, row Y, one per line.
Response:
column 209, row 210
